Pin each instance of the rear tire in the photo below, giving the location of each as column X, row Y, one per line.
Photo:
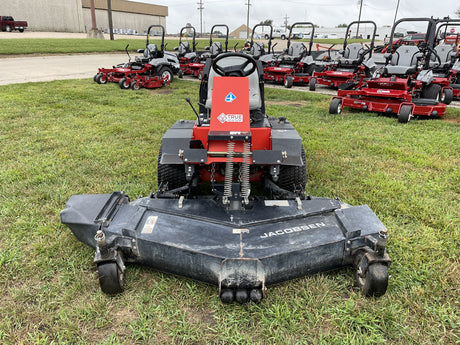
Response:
column 336, row 106
column 312, row 84
column 8, row 28
column 432, row 91
column 292, row 177
column 405, row 113
column 171, row 174
column 101, row 79
column 166, row 72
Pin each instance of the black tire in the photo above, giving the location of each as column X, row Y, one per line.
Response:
column 21, row 30
column 180, row 74
column 292, row 177
column 432, row 91
column 135, row 86
column 288, row 81
column 95, row 77
column 283, row 37
column 165, row 71
column 336, row 106
column 171, row 174
column 267, row 37
column 405, row 113
column 124, row 83
column 111, row 279
column 312, row 84
column 100, row 79
column 8, row 28
column 374, row 282
column 447, row 96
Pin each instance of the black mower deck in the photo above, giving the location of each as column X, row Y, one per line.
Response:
column 269, row 242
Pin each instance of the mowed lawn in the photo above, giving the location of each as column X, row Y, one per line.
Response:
column 66, row 137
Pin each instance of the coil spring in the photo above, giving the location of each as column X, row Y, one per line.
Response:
column 229, row 169
column 245, row 166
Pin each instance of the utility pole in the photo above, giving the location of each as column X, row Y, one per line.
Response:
column 200, row 7
column 359, row 18
column 247, row 22
column 394, row 20
column 285, row 21
column 109, row 12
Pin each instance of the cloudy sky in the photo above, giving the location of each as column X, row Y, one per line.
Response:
column 327, row 13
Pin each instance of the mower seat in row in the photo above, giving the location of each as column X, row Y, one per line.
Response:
column 255, row 97
column 257, row 50
column 150, row 52
column 447, row 55
column 295, row 52
column 214, row 50
column 403, row 61
column 352, row 54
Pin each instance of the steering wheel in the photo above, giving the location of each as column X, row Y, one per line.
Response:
column 234, row 70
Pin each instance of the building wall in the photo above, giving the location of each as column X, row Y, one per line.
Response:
column 75, row 15
column 46, row 15
column 122, row 20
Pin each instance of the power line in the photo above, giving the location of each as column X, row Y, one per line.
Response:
column 247, row 24
column 201, row 16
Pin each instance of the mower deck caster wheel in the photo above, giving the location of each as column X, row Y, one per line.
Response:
column 111, row 278
column 180, row 74
column 336, row 106
column 447, row 96
column 288, row 82
column 135, row 86
column 373, row 282
column 227, row 296
column 100, row 79
column 124, row 84
column 312, row 84
column 405, row 113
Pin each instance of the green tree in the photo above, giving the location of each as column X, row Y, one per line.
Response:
column 342, row 25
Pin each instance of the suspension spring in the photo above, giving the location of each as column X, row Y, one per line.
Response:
column 245, row 166
column 229, row 171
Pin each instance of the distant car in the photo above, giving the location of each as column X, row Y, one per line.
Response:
column 411, row 40
column 279, row 33
column 7, row 23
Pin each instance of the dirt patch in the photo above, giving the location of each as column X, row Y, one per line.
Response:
column 454, row 120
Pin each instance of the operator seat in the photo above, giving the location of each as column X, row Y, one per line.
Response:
column 257, row 50
column 403, row 61
column 256, row 104
column 352, row 54
column 296, row 52
column 447, row 55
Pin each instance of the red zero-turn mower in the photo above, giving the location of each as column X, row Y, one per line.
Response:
column 446, row 62
column 230, row 209
column 404, row 86
column 349, row 68
column 154, row 69
column 295, row 65
column 185, row 54
column 213, row 50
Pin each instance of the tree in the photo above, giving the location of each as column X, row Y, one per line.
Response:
column 267, row 22
column 342, row 25
column 457, row 13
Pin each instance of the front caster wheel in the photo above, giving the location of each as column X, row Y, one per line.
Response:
column 372, row 281
column 111, row 278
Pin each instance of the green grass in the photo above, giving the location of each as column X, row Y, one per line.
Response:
column 83, row 45
column 66, row 137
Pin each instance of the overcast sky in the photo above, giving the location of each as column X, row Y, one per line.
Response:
column 327, row 13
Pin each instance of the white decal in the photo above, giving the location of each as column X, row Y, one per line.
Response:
column 149, row 225
column 293, row 229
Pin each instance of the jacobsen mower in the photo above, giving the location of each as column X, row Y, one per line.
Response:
column 403, row 86
column 154, row 69
column 349, row 66
column 231, row 209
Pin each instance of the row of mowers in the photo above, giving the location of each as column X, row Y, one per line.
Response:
column 155, row 68
column 412, row 82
